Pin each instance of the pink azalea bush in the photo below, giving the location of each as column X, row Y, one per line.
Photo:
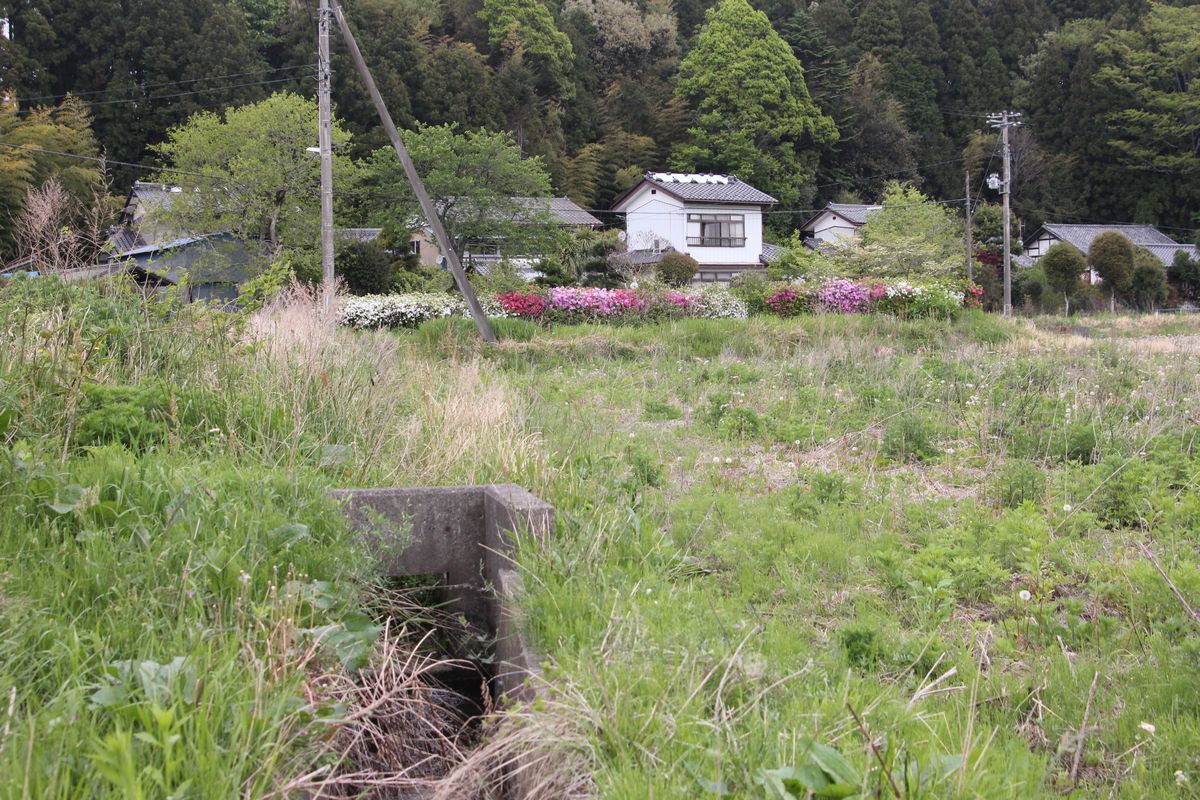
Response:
column 576, row 302
column 843, row 296
column 788, row 301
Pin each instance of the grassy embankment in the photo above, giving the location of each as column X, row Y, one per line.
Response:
column 765, row 529
column 180, row 600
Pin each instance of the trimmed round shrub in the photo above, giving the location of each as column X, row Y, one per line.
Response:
column 365, row 267
column 676, row 269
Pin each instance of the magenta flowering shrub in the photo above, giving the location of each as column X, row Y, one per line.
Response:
column 788, row 301
column 843, row 297
column 527, row 305
column 585, row 303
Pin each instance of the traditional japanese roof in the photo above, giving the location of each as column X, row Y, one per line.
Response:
column 358, row 234
column 1144, row 236
column 563, row 210
column 854, row 213
column 703, row 187
column 771, row 252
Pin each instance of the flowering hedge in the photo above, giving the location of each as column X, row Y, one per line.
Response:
column 900, row 297
column 574, row 304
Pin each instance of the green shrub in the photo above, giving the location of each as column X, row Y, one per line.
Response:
column 863, row 645
column 1018, row 482
column 740, row 423
column 1080, row 443
column 365, row 267
column 660, row 411
column 676, row 269
column 909, row 438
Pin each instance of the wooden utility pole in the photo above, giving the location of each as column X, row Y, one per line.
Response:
column 967, row 233
column 427, row 208
column 1005, row 120
column 325, row 145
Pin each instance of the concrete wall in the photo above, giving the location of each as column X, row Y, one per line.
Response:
column 465, row 534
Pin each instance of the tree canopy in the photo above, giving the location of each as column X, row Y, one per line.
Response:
column 478, row 182
column 754, row 116
column 249, row 171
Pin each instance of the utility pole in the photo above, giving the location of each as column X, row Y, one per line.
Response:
column 1005, row 120
column 325, row 144
column 414, row 179
column 967, row 233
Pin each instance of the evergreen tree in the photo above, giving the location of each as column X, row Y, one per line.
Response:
column 754, row 115
column 825, row 73
column 65, row 128
column 878, row 29
column 146, row 65
column 527, row 27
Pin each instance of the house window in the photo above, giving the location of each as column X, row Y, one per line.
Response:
column 414, row 247
column 716, row 230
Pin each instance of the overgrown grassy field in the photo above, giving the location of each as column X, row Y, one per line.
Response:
column 855, row 554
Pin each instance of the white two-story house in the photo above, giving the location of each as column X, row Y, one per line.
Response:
column 716, row 219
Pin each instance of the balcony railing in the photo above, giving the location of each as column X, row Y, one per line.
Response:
column 716, row 241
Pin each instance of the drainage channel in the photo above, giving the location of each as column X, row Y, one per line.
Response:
column 457, row 542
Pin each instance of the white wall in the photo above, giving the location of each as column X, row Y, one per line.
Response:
column 830, row 227
column 660, row 216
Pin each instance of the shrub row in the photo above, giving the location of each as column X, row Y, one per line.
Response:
column 572, row 304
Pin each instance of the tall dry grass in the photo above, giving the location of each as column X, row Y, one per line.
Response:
column 410, row 421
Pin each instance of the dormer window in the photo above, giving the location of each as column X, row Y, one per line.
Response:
column 716, row 230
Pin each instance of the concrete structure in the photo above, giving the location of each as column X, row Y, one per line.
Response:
column 716, row 219
column 836, row 222
column 465, row 535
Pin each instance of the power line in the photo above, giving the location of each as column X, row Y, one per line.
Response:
column 34, row 149
column 144, row 86
column 914, row 168
column 155, row 98
column 1085, row 221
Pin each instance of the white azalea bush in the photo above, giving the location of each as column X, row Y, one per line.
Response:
column 399, row 310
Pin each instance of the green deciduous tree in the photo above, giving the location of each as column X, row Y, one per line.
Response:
column 260, row 182
column 910, row 236
column 1064, row 266
column 1111, row 255
column 754, row 116
column 473, row 178
column 1148, row 284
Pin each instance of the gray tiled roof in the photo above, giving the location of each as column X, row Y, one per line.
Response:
column 853, row 212
column 642, row 257
column 1166, row 252
column 358, row 234
column 702, row 187
column 1082, row 235
column 1147, row 236
column 771, row 252
column 563, row 210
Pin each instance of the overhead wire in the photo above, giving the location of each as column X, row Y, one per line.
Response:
column 156, row 98
column 42, row 150
column 144, row 86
